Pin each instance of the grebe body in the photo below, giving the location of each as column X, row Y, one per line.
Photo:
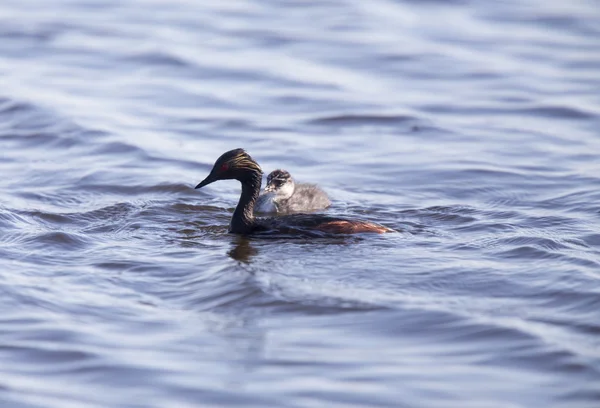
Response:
column 237, row 164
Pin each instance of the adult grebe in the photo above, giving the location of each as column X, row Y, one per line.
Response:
column 283, row 195
column 237, row 164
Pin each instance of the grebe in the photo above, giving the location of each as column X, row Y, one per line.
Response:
column 237, row 164
column 283, row 195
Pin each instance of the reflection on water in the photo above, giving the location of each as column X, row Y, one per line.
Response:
column 468, row 127
column 242, row 249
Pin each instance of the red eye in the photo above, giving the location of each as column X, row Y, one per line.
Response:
column 224, row 167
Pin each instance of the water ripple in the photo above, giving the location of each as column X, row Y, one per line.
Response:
column 468, row 127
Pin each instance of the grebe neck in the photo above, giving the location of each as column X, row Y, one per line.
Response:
column 242, row 220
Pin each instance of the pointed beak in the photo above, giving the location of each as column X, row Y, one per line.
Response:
column 269, row 188
column 209, row 179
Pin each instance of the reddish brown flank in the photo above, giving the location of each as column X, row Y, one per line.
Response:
column 351, row 227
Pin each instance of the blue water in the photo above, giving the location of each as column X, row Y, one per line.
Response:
column 469, row 127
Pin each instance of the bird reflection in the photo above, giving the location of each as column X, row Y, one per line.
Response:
column 242, row 250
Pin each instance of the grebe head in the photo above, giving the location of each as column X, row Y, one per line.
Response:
column 281, row 183
column 234, row 164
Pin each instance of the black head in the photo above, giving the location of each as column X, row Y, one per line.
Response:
column 234, row 164
column 278, row 176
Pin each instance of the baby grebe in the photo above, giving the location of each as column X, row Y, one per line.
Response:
column 237, row 164
column 283, row 195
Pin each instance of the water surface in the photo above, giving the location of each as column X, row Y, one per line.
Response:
column 469, row 127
